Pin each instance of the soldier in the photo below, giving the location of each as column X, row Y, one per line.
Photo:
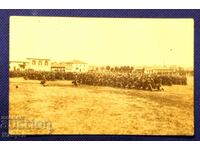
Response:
column 43, row 81
column 75, row 82
column 149, row 84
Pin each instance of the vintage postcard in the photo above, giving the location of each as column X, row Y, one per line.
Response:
column 106, row 76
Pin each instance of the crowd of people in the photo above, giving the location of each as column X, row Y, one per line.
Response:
column 112, row 79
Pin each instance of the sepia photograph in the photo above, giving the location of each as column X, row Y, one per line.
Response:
column 105, row 76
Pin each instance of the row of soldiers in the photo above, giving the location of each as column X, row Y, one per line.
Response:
column 40, row 75
column 130, row 80
column 122, row 80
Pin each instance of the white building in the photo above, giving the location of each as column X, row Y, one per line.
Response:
column 72, row 66
column 76, row 66
column 38, row 64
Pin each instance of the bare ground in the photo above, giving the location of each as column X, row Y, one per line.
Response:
column 65, row 109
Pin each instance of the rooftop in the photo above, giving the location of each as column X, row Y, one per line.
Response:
column 57, row 65
column 39, row 58
column 76, row 62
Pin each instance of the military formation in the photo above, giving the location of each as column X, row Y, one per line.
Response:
column 140, row 81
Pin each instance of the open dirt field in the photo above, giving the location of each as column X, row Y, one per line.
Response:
column 67, row 109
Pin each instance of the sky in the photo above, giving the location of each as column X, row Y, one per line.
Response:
column 103, row 41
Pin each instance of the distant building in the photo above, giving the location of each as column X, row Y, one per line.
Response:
column 189, row 72
column 17, row 65
column 172, row 70
column 72, row 66
column 38, row 64
column 58, row 67
column 167, row 71
column 139, row 70
column 76, row 66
